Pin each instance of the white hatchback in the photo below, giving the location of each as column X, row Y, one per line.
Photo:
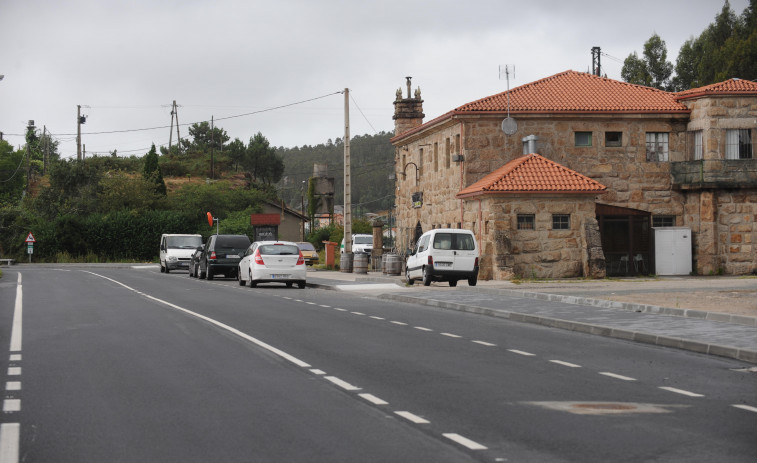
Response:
column 272, row 262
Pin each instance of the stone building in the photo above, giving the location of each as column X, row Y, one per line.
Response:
column 648, row 159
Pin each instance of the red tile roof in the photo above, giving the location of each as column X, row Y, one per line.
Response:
column 532, row 173
column 729, row 87
column 578, row 92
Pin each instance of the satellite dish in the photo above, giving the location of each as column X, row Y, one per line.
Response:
column 509, row 126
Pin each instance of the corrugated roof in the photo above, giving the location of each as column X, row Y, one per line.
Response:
column 532, row 173
column 729, row 87
column 572, row 91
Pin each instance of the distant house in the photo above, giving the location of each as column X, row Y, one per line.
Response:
column 584, row 170
column 278, row 222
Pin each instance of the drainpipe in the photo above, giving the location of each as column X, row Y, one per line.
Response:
column 462, row 164
column 480, row 226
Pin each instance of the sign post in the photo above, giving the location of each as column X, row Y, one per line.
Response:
column 30, row 245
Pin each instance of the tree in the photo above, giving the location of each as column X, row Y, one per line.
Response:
column 204, row 139
column 236, row 152
column 687, row 73
column 261, row 160
column 152, row 171
column 635, row 71
column 653, row 70
column 12, row 178
column 121, row 192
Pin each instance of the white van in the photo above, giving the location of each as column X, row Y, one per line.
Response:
column 176, row 251
column 361, row 244
column 444, row 254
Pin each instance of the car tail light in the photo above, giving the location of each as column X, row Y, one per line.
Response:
column 430, row 261
column 258, row 258
column 301, row 260
column 212, row 255
column 475, row 263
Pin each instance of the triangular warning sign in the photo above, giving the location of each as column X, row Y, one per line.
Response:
column 30, row 238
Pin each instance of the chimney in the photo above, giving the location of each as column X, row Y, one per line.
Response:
column 530, row 144
column 408, row 112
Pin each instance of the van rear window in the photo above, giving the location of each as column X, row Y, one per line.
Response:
column 454, row 241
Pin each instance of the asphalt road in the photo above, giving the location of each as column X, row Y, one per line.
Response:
column 121, row 364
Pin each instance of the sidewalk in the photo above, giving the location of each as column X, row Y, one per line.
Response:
column 722, row 324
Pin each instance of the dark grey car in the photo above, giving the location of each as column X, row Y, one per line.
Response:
column 221, row 255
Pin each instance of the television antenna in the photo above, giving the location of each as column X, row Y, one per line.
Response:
column 509, row 126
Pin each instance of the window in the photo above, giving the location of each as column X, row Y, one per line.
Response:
column 447, row 154
column 695, row 145
column 738, row 144
column 663, row 221
column 526, row 222
column 560, row 221
column 583, row 138
column 613, row 138
column 657, row 146
column 420, row 162
column 436, row 157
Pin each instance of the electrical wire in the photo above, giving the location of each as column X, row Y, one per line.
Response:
column 361, row 112
column 14, row 173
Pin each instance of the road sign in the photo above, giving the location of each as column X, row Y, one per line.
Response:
column 30, row 238
column 30, row 249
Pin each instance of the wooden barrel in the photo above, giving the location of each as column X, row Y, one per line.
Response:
column 361, row 263
column 393, row 264
column 345, row 263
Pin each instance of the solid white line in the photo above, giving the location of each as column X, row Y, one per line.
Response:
column 343, row 384
column 13, row 386
column 484, row 343
column 17, row 318
column 9, row 440
column 746, row 407
column 373, row 399
column 400, row 323
column 15, row 358
column 377, row 318
column 14, row 371
column 464, row 441
column 613, row 375
column 411, row 417
column 681, row 391
column 422, row 328
column 11, row 405
column 520, row 352
column 450, row 335
column 566, row 364
column 228, row 328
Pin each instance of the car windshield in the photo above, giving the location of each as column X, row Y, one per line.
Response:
column 306, row 246
column 363, row 240
column 183, row 242
column 279, row 250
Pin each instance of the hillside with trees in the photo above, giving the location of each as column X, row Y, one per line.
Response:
column 726, row 49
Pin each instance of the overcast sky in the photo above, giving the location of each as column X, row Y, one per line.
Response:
column 126, row 61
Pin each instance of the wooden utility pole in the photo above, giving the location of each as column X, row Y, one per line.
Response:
column 174, row 114
column 78, row 132
column 212, row 152
column 29, row 129
column 347, row 180
column 47, row 149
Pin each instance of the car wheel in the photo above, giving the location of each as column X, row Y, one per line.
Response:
column 252, row 282
column 410, row 281
column 162, row 269
column 167, row 270
column 289, row 284
column 426, row 276
column 472, row 280
column 209, row 274
column 453, row 283
column 301, row 285
column 239, row 279
column 201, row 274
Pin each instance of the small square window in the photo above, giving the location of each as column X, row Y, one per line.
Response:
column 613, row 138
column 663, row 221
column 583, row 138
column 526, row 222
column 560, row 221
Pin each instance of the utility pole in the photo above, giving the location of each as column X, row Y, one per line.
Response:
column 212, row 152
column 596, row 65
column 174, row 113
column 47, row 149
column 78, row 132
column 347, row 184
column 29, row 130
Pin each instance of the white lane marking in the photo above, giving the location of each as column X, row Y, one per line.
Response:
column 422, row 328
column 316, row 371
column 343, row 384
column 18, row 315
column 450, row 335
column 223, row 326
column 411, row 417
column 324, row 306
column 311, row 303
column 15, row 358
column 681, row 391
column 565, row 364
column 13, row 386
column 12, row 405
column 400, row 323
column 14, row 371
column 298, row 300
column 613, row 375
column 520, row 352
column 484, row 343
column 377, row 318
column 746, row 407
column 9, row 442
column 464, row 441
column 373, row 399
column 341, row 310
column 357, row 313
column 285, row 297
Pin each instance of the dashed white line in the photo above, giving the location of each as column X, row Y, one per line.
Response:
column 746, row 407
column 343, row 384
column 357, row 313
column 310, row 303
column 324, row 306
column 565, row 364
column 13, row 386
column 316, row 371
column 484, row 343
column 15, row 358
column 411, row 417
column 399, row 323
column 18, row 315
column 14, row 371
column 377, row 318
column 12, row 405
column 9, row 442
column 520, row 352
column 613, row 375
column 340, row 310
column 373, row 399
column 450, row 335
column 422, row 328
column 464, row 441
column 681, row 391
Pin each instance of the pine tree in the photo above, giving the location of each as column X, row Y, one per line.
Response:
column 152, row 171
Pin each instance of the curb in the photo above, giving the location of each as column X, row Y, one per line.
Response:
column 598, row 330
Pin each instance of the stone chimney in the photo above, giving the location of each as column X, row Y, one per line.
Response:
column 408, row 112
